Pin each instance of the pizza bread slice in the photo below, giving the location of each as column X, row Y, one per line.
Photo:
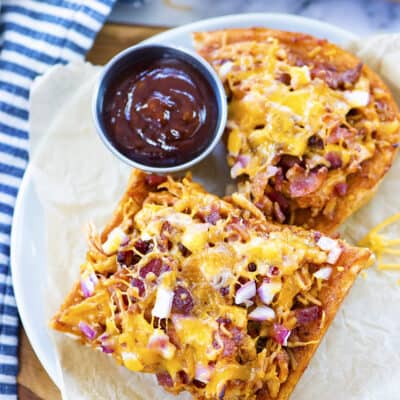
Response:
column 311, row 130
column 206, row 293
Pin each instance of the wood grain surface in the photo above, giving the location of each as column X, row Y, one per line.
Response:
column 34, row 383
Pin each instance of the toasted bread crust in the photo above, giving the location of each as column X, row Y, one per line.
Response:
column 361, row 184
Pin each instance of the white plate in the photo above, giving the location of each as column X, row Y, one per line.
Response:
column 28, row 237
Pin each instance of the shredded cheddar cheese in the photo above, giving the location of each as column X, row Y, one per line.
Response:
column 203, row 292
column 381, row 245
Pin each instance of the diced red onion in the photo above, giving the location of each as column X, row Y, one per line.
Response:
column 272, row 170
column 281, row 334
column 236, row 170
column 158, row 341
column 106, row 345
column 107, row 349
column 323, row 273
column 225, row 69
column 331, row 245
column 125, row 241
column 357, row 98
column 203, row 373
column 245, row 293
column 163, row 304
column 334, row 255
column 87, row 330
column 241, row 162
column 262, row 313
column 88, row 284
column 326, row 243
column 267, row 291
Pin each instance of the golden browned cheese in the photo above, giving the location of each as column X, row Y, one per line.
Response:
column 311, row 130
column 206, row 293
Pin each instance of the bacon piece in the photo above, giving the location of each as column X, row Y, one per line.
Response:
column 315, row 142
column 334, row 159
column 156, row 266
column 185, row 251
column 239, row 229
column 127, row 258
column 279, row 215
column 183, row 301
column 337, row 79
column 164, row 379
column 284, row 77
column 198, row 384
column 139, row 284
column 183, row 377
column 338, row 134
column 384, row 111
column 231, row 343
column 259, row 183
column 287, row 161
column 143, row 246
column 303, row 183
column 341, row 189
column 283, row 360
column 278, row 180
column 308, row 314
column 279, row 198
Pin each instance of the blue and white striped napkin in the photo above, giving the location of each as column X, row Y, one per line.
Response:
column 34, row 35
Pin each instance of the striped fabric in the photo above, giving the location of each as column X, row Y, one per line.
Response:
column 34, row 35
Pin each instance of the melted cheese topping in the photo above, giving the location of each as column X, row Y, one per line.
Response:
column 278, row 108
column 164, row 301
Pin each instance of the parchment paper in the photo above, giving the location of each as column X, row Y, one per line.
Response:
column 79, row 181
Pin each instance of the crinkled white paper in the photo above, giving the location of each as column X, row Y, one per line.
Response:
column 79, row 181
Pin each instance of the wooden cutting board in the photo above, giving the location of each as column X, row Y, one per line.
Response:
column 34, row 383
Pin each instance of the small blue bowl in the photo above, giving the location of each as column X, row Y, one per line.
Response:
column 148, row 53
